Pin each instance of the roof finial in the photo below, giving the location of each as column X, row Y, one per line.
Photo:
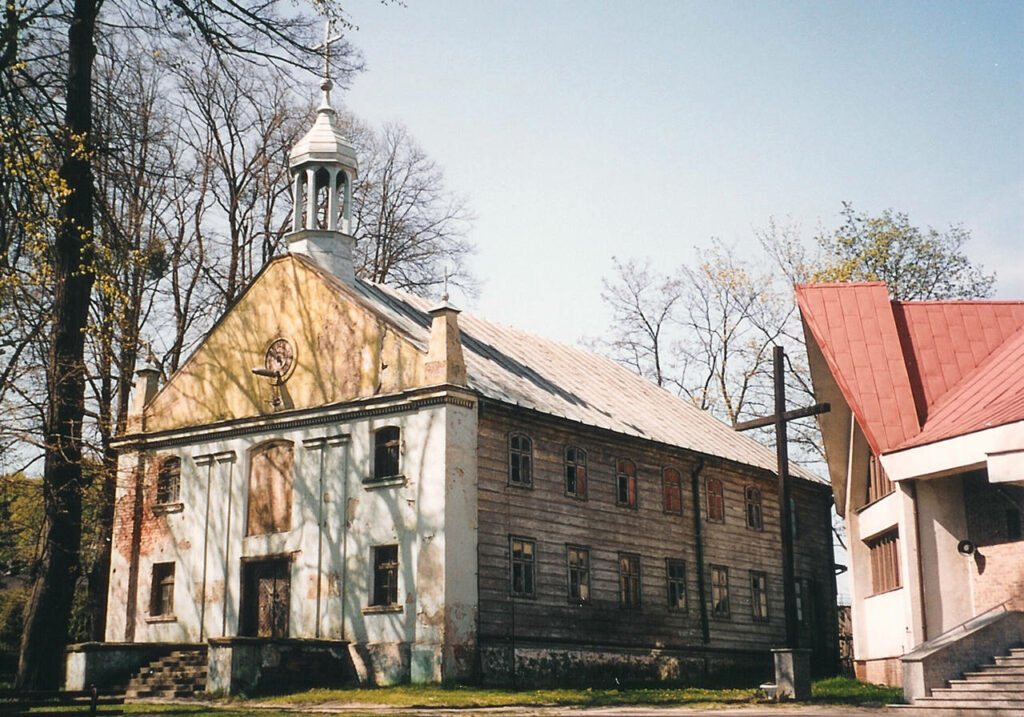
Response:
column 326, row 85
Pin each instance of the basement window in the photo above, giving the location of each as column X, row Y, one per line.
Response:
column 884, row 550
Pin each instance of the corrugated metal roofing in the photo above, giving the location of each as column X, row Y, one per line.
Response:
column 533, row 372
column 964, row 361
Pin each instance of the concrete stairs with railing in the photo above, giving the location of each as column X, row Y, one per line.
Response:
column 996, row 689
column 180, row 674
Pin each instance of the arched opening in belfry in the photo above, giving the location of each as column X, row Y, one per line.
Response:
column 322, row 199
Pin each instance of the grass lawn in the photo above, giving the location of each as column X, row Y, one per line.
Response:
column 836, row 690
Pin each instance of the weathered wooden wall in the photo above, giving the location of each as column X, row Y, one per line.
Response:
column 554, row 520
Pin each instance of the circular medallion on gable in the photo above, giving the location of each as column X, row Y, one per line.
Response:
column 280, row 358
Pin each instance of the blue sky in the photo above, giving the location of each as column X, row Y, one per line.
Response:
column 582, row 130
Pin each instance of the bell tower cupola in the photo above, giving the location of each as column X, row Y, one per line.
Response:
column 323, row 167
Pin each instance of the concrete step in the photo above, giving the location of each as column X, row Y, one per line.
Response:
column 1010, row 660
column 989, row 682
column 996, row 670
column 972, row 695
column 916, row 711
column 980, row 701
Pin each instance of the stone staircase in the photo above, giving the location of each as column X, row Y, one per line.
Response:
column 180, row 674
column 996, row 690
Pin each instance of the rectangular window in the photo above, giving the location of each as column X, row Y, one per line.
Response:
column 520, row 460
column 387, row 443
column 759, row 595
column 168, row 481
column 673, row 496
column 675, row 575
column 385, row 575
column 629, row 580
column 879, row 484
column 802, row 594
column 271, row 477
column 720, row 591
column 578, row 564
column 755, row 518
column 576, row 472
column 716, row 500
column 161, row 601
column 885, row 561
column 625, row 484
column 522, row 567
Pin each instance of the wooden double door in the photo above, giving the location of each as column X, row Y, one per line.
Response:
column 266, row 591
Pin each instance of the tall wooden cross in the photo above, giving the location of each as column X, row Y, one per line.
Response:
column 779, row 420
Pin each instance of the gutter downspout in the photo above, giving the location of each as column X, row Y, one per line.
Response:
column 912, row 490
column 698, row 540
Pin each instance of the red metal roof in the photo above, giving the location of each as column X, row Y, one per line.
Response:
column 962, row 361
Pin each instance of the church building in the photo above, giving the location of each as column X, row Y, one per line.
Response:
column 342, row 466
column 924, row 444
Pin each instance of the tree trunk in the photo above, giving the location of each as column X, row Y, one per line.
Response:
column 46, row 625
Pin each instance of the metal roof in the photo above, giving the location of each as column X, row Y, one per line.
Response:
column 522, row 369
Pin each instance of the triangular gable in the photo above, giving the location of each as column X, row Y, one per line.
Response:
column 992, row 395
column 853, row 325
column 944, row 341
column 344, row 350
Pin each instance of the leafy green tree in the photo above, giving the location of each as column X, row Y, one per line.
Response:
column 915, row 263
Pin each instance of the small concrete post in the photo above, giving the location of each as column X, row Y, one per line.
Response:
column 792, row 674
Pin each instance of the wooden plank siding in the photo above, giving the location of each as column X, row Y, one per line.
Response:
column 545, row 514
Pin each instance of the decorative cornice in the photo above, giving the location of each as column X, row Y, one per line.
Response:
column 411, row 400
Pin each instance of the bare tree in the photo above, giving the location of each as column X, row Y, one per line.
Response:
column 409, row 228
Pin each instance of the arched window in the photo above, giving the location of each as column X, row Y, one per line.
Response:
column 387, row 443
column 576, row 472
column 271, row 476
column 753, row 499
column 673, row 492
column 168, row 481
column 520, row 460
column 625, row 483
column 716, row 500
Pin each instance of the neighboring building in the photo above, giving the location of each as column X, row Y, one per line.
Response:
column 924, row 443
column 341, row 461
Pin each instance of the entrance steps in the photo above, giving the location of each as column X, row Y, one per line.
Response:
column 180, row 674
column 996, row 689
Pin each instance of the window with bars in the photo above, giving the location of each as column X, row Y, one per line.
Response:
column 675, row 575
column 716, row 500
column 879, row 484
column 720, row 591
column 672, row 491
column 576, row 472
column 625, row 483
column 755, row 518
column 387, row 442
column 578, row 565
column 759, row 595
column 168, row 481
column 522, row 567
column 161, row 601
column 385, row 575
column 885, row 561
column 520, row 460
column 629, row 580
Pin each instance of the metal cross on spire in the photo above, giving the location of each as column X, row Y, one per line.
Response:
column 326, row 47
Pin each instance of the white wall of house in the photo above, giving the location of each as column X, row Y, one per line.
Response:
column 336, row 520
